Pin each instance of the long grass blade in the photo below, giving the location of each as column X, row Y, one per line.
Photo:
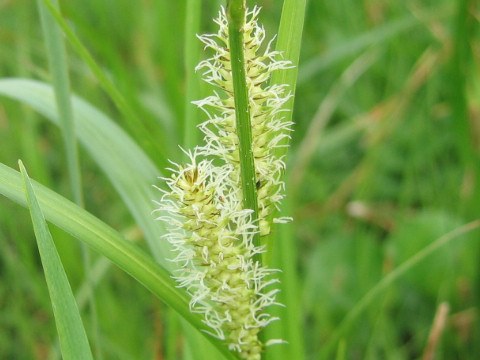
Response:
column 108, row 242
column 57, row 59
column 133, row 122
column 30, row 131
column 289, row 41
column 131, row 172
column 58, row 66
column 71, row 333
column 290, row 326
column 166, row 25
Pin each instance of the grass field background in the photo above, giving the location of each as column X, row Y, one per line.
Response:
column 384, row 160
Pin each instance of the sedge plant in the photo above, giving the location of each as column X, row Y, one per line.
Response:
column 219, row 206
column 221, row 203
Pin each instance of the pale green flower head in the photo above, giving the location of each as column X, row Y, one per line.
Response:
column 266, row 106
column 210, row 230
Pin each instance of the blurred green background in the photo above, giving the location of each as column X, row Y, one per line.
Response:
column 385, row 159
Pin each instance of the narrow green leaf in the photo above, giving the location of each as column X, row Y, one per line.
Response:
column 108, row 242
column 289, row 42
column 236, row 19
column 29, row 127
column 130, row 171
column 290, row 326
column 71, row 333
column 133, row 122
column 61, row 84
column 58, row 66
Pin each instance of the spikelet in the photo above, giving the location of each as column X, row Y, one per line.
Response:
column 265, row 102
column 210, row 231
column 214, row 247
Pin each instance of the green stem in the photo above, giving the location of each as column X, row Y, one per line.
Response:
column 236, row 20
column 192, row 56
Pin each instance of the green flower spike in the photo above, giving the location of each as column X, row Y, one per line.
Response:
column 214, row 247
column 266, row 102
column 210, row 231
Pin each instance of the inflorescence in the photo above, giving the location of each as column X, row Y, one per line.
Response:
column 210, row 231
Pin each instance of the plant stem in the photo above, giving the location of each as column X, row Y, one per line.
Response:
column 192, row 57
column 236, row 20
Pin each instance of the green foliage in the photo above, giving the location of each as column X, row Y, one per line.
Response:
column 108, row 243
column 73, row 339
column 385, row 159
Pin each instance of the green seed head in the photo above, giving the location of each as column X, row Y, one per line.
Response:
column 211, row 233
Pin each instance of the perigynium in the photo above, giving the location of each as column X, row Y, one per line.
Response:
column 210, row 230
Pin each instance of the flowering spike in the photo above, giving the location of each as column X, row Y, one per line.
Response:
column 265, row 103
column 210, row 230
